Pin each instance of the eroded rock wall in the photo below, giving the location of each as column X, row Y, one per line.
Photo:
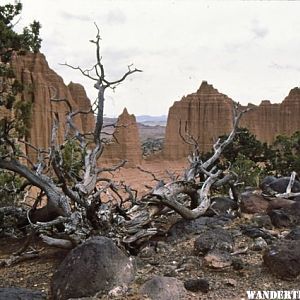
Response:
column 203, row 115
column 268, row 120
column 207, row 114
column 41, row 83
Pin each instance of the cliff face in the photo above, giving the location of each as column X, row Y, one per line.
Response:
column 126, row 142
column 41, row 83
column 268, row 120
column 204, row 115
column 208, row 115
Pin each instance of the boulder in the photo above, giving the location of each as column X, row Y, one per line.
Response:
column 288, row 215
column 15, row 293
column 266, row 181
column 221, row 205
column 97, row 265
column 283, row 259
column 262, row 221
column 184, row 228
column 279, row 218
column 294, row 234
column 252, row 203
column 163, row 288
column 280, row 184
column 212, row 239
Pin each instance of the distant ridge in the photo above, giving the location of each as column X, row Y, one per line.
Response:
column 144, row 119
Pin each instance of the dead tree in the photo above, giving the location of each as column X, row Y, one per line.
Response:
column 72, row 201
column 75, row 201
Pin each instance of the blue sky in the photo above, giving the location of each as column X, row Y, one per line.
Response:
column 248, row 50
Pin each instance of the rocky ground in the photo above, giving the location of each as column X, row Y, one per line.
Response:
column 175, row 258
column 214, row 257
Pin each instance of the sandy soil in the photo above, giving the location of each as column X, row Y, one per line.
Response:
column 138, row 179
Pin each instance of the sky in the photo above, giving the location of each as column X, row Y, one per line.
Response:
column 248, row 50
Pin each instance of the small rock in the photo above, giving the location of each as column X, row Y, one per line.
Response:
column 217, row 238
column 118, row 291
column 237, row 263
column 283, row 259
column 218, row 259
column 163, row 288
column 147, row 252
column 259, row 244
column 189, row 263
column 196, row 285
column 230, row 282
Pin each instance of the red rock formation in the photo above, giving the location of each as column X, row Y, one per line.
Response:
column 41, row 83
column 126, row 143
column 205, row 114
column 208, row 115
column 268, row 120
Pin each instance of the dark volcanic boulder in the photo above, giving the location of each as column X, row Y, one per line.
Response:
column 184, row 228
column 294, row 234
column 97, row 265
column 266, row 181
column 280, row 184
column 163, row 288
column 211, row 239
column 290, row 215
column 283, row 259
column 14, row 293
column 221, row 205
column 279, row 218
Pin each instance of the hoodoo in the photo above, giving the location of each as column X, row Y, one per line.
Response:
column 126, row 142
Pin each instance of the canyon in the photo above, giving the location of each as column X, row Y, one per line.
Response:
column 203, row 115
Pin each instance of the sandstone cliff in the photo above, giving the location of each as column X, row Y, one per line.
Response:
column 125, row 144
column 204, row 115
column 207, row 115
column 268, row 120
column 41, row 83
